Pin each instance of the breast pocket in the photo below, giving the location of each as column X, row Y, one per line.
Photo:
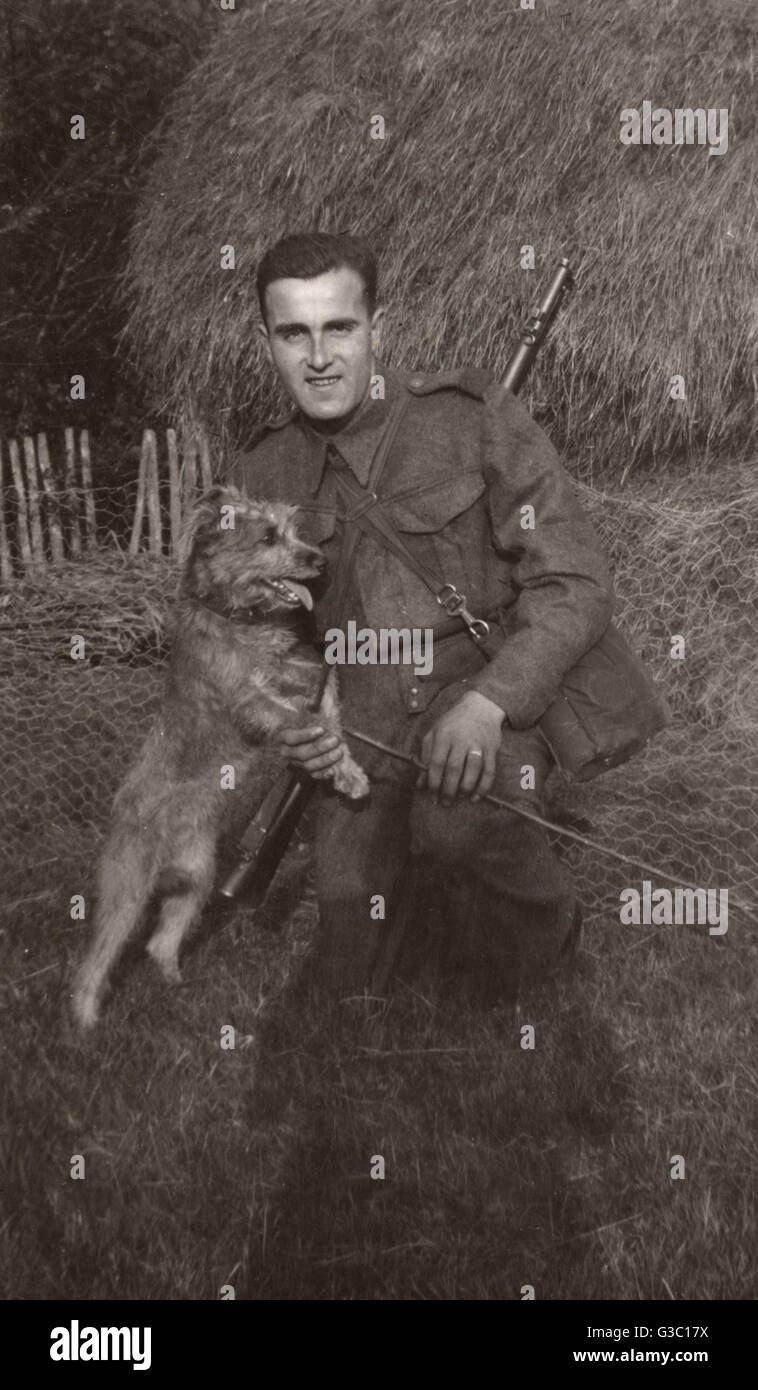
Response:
column 446, row 526
column 430, row 507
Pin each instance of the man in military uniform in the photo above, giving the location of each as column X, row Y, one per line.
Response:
column 477, row 494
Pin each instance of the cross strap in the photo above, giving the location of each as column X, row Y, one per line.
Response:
column 368, row 515
column 351, row 535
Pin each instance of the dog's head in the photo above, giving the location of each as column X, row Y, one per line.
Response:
column 247, row 553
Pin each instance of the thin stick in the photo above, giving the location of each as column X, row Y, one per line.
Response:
column 35, row 520
column 23, row 978
column 54, row 514
column 539, row 820
column 89, row 496
column 6, row 568
column 153, row 495
column 410, row 1051
column 189, row 470
column 72, row 500
column 139, row 506
column 175, row 500
column 206, row 472
column 22, row 526
column 609, row 1226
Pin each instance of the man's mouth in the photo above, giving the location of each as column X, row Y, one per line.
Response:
column 291, row 592
column 322, row 383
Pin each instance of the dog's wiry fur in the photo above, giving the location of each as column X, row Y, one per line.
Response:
column 231, row 686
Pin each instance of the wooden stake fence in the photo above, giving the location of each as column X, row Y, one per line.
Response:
column 6, row 568
column 48, row 515
column 75, row 535
column 54, row 516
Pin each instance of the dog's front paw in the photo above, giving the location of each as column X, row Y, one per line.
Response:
column 350, row 779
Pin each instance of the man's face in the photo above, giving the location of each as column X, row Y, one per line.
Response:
column 322, row 341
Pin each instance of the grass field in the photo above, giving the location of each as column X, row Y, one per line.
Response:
column 503, row 1167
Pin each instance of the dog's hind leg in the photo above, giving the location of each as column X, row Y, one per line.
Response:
column 187, row 885
column 124, row 887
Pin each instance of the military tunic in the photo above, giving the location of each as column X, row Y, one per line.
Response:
column 477, row 493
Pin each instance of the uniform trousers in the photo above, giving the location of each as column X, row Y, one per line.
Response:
column 411, row 890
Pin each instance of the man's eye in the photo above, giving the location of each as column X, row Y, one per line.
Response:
column 291, row 335
column 269, row 536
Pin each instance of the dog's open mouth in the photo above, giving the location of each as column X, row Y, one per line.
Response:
column 291, row 592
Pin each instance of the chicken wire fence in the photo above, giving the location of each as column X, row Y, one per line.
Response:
column 686, row 565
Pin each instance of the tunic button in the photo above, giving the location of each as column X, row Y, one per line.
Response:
column 416, row 380
column 413, row 704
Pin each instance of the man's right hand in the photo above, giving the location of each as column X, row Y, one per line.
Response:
column 311, row 750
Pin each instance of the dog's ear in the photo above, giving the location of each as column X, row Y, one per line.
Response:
column 207, row 509
column 204, row 516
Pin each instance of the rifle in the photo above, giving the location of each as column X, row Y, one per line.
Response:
column 264, row 842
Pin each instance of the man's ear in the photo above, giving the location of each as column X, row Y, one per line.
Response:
column 377, row 328
column 263, row 331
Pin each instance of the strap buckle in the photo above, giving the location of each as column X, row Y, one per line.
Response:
column 361, row 507
column 455, row 604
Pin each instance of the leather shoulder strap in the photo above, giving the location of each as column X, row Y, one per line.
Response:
column 351, row 534
column 382, row 451
column 368, row 515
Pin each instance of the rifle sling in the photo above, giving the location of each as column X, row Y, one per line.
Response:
column 346, row 562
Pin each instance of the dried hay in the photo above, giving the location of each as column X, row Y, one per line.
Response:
column 502, row 130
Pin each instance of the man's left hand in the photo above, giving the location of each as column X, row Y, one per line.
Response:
column 460, row 750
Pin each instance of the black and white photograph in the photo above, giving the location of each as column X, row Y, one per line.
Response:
column 378, row 662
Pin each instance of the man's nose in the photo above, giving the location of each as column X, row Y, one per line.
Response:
column 320, row 354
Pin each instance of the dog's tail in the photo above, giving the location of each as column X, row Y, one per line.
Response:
column 125, row 885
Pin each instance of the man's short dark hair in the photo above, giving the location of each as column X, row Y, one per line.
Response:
column 303, row 255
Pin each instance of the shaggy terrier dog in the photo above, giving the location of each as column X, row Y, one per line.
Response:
column 241, row 669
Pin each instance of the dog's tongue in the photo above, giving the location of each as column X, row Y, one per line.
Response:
column 303, row 594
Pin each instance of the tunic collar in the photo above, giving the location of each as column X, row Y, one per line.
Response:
column 358, row 440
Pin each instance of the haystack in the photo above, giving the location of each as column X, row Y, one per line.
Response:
column 501, row 130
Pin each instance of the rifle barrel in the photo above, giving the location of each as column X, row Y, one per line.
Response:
column 536, row 328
